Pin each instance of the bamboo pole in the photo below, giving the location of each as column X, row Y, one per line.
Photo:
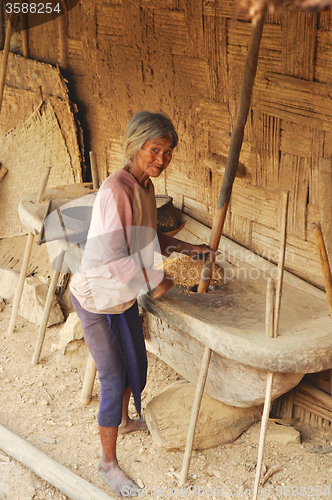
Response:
column 26, row 258
column 262, row 436
column 3, row 172
column 249, row 73
column 5, row 56
column 47, row 307
column 324, row 262
column 270, row 375
column 24, row 29
column 281, row 262
column 94, row 170
column 194, row 414
column 63, row 37
column 89, row 378
column 269, row 319
column 48, row 469
column 91, row 368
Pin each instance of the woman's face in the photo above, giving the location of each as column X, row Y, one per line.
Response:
column 154, row 156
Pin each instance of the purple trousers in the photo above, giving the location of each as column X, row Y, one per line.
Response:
column 116, row 343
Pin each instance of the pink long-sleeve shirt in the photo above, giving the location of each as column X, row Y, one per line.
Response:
column 122, row 239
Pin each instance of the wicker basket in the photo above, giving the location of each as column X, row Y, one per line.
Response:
column 168, row 219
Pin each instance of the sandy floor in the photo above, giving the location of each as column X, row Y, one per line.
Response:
column 42, row 405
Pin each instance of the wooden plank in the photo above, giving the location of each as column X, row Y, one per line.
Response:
column 59, row 476
column 299, row 101
column 294, row 176
column 299, row 43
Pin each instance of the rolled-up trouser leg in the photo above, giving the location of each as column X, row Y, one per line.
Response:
column 111, row 368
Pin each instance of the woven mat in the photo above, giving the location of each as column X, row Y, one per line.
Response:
column 25, row 151
column 37, row 129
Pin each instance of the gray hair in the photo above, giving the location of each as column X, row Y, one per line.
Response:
column 146, row 126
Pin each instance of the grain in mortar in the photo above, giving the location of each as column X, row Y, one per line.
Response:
column 186, row 272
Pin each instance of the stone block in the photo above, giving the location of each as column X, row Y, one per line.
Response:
column 71, row 349
column 8, row 283
column 33, row 303
column 276, row 433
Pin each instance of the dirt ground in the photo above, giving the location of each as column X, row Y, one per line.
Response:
column 41, row 404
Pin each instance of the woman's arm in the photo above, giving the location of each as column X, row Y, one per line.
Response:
column 168, row 245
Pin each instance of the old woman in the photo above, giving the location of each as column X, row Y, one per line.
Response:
column 117, row 263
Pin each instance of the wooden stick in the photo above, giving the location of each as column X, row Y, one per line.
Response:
column 5, row 56
column 269, row 382
column 94, row 170
column 269, row 308
column 63, row 38
column 26, row 258
column 89, row 378
column 249, row 73
column 24, row 29
column 3, row 172
column 47, row 308
column 51, row 471
column 194, row 414
column 265, row 419
column 281, row 263
column 324, row 262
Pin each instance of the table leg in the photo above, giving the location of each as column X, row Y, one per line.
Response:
column 47, row 308
column 89, row 379
column 194, row 414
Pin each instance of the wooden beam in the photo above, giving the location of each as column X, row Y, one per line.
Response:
column 48, row 469
column 249, row 73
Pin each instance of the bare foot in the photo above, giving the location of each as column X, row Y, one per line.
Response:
column 117, row 480
column 132, row 425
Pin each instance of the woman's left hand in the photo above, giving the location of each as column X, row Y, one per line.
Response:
column 198, row 252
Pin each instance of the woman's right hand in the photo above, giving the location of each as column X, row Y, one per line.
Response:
column 162, row 288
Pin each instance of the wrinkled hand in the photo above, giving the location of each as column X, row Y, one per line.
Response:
column 162, row 288
column 201, row 252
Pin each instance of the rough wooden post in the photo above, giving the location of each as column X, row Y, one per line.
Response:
column 59, row 476
column 26, row 258
column 249, row 73
column 5, row 56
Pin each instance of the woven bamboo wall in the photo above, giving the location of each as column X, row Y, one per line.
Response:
column 186, row 57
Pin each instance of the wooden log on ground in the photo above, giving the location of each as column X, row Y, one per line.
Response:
column 167, row 416
column 48, row 469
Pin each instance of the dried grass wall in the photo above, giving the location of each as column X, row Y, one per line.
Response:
column 186, row 57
